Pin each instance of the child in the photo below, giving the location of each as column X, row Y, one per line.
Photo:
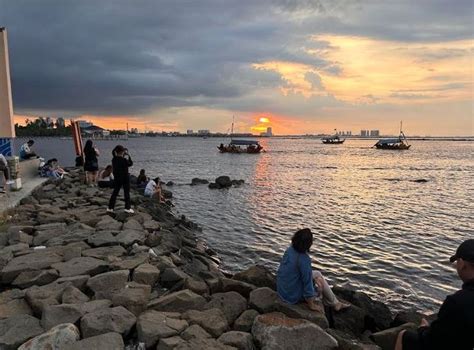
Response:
column 120, row 164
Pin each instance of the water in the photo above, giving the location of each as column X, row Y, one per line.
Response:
column 375, row 228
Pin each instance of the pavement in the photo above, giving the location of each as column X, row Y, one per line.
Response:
column 12, row 198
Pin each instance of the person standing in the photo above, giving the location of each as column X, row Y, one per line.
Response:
column 91, row 163
column 26, row 152
column 120, row 164
column 6, row 173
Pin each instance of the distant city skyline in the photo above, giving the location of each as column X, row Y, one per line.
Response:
column 306, row 67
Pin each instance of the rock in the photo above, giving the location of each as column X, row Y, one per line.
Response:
column 103, row 238
column 72, row 295
column 239, row 340
column 108, row 223
column 107, row 341
column 386, row 339
column 232, row 304
column 194, row 331
column 346, row 342
column 237, row 182
column 95, row 305
column 105, row 252
column 198, row 287
column 81, row 266
column 166, row 193
column 408, row 316
column 379, row 315
column 223, row 181
column 39, row 277
column 59, row 337
column 212, row 320
column 128, row 237
column 352, row 320
column 130, row 263
column 132, row 224
column 214, row 186
column 170, row 183
column 134, row 297
column 17, row 329
column 40, row 297
column 240, row 287
column 178, row 302
column 117, row 319
column 301, row 311
column 105, row 285
column 215, row 285
column 38, row 260
column 77, row 281
column 72, row 252
column 264, row 300
column 154, row 325
column 257, row 275
column 150, row 226
column 146, row 274
column 170, row 343
column 203, row 344
column 245, row 321
column 197, row 181
column 277, row 331
column 171, row 276
column 57, row 314
column 15, row 307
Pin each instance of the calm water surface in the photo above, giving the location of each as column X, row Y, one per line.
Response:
column 375, row 228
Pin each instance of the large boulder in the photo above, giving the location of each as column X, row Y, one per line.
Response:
column 108, row 223
column 117, row 319
column 15, row 307
column 212, row 320
column 231, row 303
column 36, row 277
column 245, row 321
column 351, row 320
column 146, row 274
column 40, row 297
column 264, row 300
column 105, row 285
column 178, row 302
column 257, row 275
column 58, row 314
column 134, row 297
column 59, row 337
column 239, row 340
column 387, row 338
column 153, row 325
column 194, row 331
column 128, row 237
column 81, row 266
column 103, row 239
column 348, row 342
column 223, row 181
column 197, row 181
column 30, row 262
column 277, row 332
column 130, row 262
column 106, row 341
column 105, row 252
column 17, row 329
column 73, row 295
column 232, row 285
column 171, row 276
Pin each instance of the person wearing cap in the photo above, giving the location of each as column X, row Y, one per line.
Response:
column 454, row 326
column 297, row 282
column 26, row 152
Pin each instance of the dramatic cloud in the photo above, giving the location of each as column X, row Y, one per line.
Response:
column 178, row 64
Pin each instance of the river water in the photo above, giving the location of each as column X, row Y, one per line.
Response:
column 376, row 229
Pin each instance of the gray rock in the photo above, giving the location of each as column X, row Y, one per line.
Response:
column 257, row 275
column 72, row 295
column 154, row 325
column 15, row 307
column 151, row 226
column 223, row 181
column 107, row 341
column 245, row 321
column 212, row 320
column 197, row 181
column 117, row 319
column 103, row 238
column 40, row 297
column 203, row 344
column 132, row 224
column 232, row 285
column 170, row 343
column 231, row 303
column 108, row 223
column 39, row 277
column 17, row 329
column 58, row 314
column 105, row 285
column 171, row 276
column 386, row 339
column 134, row 297
column 198, row 287
column 277, row 331
column 34, row 261
column 72, row 252
column 59, row 337
column 146, row 274
column 178, row 302
column 301, row 311
column 104, row 252
column 195, row 331
column 264, row 300
column 347, row 342
column 353, row 320
column 407, row 316
column 239, row 340
column 81, row 266
column 129, row 237
column 94, row 305
column 77, row 281
column 130, row 263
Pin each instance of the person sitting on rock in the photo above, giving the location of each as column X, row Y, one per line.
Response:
column 297, row 282
column 106, row 177
column 153, row 190
column 454, row 326
column 142, row 179
column 26, row 152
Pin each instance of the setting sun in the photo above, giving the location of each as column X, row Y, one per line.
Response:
column 264, row 120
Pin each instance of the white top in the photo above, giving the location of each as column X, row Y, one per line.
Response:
column 25, row 148
column 150, row 188
column 107, row 178
column 3, row 160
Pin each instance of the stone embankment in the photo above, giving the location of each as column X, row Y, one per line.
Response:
column 73, row 277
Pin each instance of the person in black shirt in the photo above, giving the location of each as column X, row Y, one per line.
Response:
column 91, row 163
column 120, row 164
column 454, row 326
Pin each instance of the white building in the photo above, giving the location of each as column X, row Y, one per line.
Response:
column 204, row 132
column 374, row 133
column 189, row 132
column 84, row 124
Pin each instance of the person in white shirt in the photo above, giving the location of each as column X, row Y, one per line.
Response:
column 26, row 152
column 6, row 172
column 153, row 190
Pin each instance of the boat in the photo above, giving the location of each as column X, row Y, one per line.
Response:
column 333, row 140
column 399, row 143
column 241, row 146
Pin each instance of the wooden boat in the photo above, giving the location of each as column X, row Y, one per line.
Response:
column 241, row 146
column 399, row 143
column 333, row 140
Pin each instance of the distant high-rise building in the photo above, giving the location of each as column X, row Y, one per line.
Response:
column 190, row 132
column 134, row 130
column 268, row 133
column 374, row 133
column 204, row 132
column 363, row 133
column 84, row 123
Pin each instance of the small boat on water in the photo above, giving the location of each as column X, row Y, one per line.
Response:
column 241, row 146
column 333, row 140
column 399, row 143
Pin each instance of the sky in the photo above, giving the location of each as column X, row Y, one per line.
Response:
column 305, row 66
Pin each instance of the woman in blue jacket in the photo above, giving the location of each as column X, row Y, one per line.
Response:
column 297, row 282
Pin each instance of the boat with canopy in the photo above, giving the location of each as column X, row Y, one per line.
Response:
column 399, row 143
column 240, row 146
column 333, row 140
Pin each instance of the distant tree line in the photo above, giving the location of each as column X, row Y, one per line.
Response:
column 39, row 127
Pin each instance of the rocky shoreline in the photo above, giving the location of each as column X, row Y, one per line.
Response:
column 74, row 277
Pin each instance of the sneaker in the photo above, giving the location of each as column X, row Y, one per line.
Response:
column 110, row 210
column 9, row 182
column 130, row 211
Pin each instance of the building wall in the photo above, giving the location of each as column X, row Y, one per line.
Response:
column 7, row 129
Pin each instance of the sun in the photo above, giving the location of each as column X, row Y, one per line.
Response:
column 264, row 120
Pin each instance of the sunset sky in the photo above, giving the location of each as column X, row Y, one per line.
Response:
column 305, row 66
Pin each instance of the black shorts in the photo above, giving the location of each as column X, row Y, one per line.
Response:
column 411, row 340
